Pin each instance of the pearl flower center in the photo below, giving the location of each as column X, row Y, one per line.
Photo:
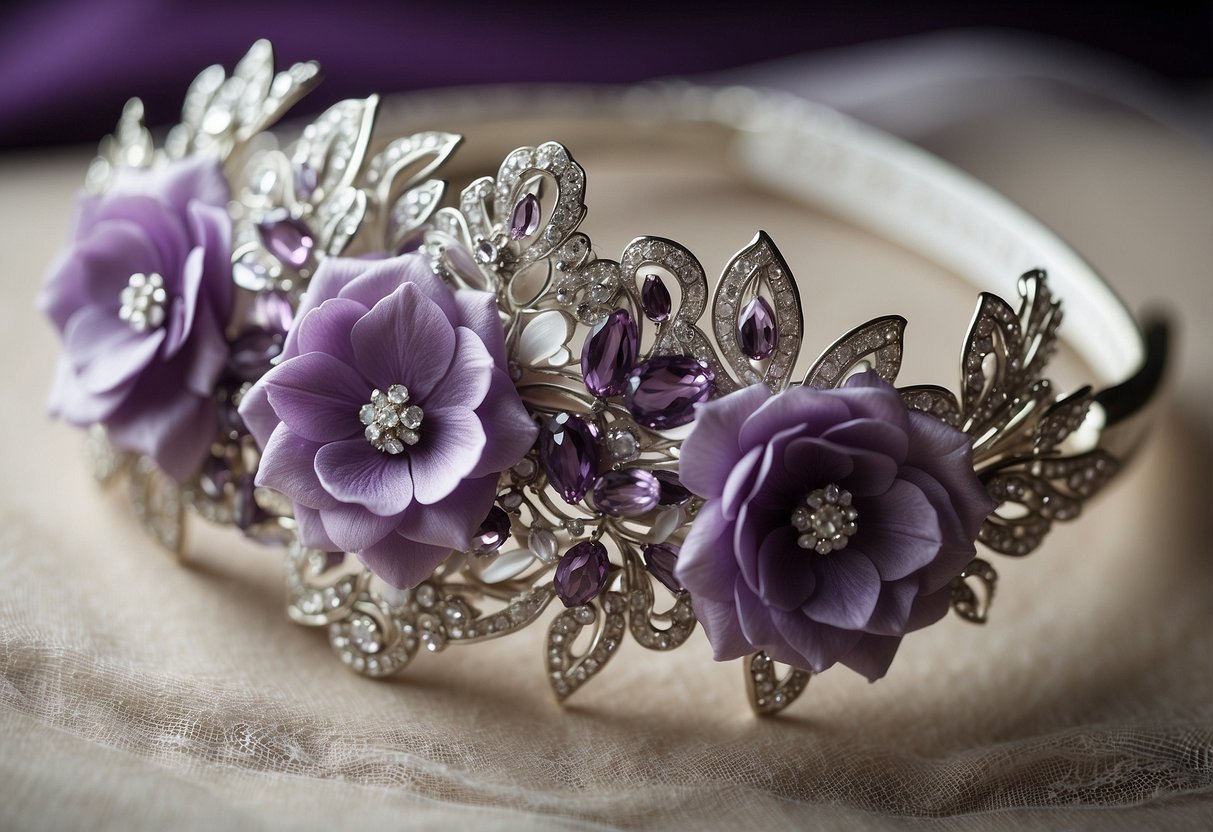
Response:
column 826, row 521
column 144, row 302
column 391, row 422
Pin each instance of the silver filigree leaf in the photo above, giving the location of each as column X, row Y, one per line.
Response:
column 569, row 670
column 933, row 400
column 758, row 271
column 680, row 333
column 1033, row 493
column 519, row 174
column 375, row 638
column 334, row 145
column 679, row 620
column 972, row 591
column 105, row 462
column 338, row 219
column 1061, row 419
column 878, row 343
column 769, row 694
column 315, row 599
column 517, row 614
column 400, row 177
column 156, row 499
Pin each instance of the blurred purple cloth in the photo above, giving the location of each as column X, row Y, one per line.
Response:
column 66, row 66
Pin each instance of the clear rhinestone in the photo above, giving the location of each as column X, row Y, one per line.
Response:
column 411, row 417
column 367, row 414
column 144, row 302
column 398, row 394
column 391, row 423
column 826, row 520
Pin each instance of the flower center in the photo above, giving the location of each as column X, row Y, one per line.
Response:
column 144, row 301
column 826, row 521
column 391, row 422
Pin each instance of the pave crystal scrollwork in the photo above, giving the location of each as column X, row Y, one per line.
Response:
column 610, row 358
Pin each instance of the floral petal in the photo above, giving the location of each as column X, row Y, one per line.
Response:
column 848, row 587
column 478, row 311
column 899, row 531
column 544, row 335
column 704, row 566
column 327, row 329
column 332, row 275
column 819, row 645
column 466, row 382
column 105, row 352
column 871, row 655
column 452, row 440
column 382, row 278
column 288, row 465
column 354, row 471
column 401, row 562
column 809, row 410
column 174, row 430
column 871, row 435
column 719, row 621
column 451, row 522
column 318, row 396
column 892, row 612
column 258, row 414
column 785, row 572
column 311, row 530
column 508, row 428
column 353, row 528
column 822, row 461
column 741, row 481
column 711, row 450
column 405, row 339
column 869, row 396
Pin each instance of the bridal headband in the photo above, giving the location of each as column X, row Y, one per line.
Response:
column 457, row 419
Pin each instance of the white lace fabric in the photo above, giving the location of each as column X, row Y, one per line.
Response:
column 136, row 692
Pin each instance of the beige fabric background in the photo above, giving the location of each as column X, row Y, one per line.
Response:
column 136, row 693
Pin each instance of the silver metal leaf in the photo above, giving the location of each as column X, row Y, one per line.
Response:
column 335, row 144
column 935, row 401
column 375, row 639
column 156, row 499
column 769, row 694
column 679, row 620
column 517, row 614
column 878, row 342
column 758, row 270
column 1061, row 419
column 567, row 670
column 973, row 591
column 1035, row 492
column 338, row 219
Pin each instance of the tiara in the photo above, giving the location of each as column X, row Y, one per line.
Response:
column 452, row 415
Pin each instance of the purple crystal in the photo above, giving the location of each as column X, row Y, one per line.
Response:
column 252, row 354
column 673, row 492
column 568, row 452
column 662, row 392
column 305, row 181
column 659, row 559
column 756, row 331
column 626, row 493
column 286, row 238
column 272, row 311
column 524, row 221
column 655, row 298
column 582, row 573
column 493, row 532
column 609, row 353
column 244, row 507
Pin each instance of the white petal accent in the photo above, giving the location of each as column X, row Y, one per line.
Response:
column 561, row 358
column 668, row 522
column 544, row 337
column 507, row 565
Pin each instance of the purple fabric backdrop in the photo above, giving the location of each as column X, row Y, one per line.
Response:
column 66, row 66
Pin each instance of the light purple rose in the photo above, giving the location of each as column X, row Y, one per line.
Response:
column 368, row 474
column 140, row 298
column 834, row 521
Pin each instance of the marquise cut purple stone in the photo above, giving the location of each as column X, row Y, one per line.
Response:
column 286, row 238
column 662, row 392
column 524, row 221
column 568, row 452
column 655, row 298
column 660, row 558
column 627, row 493
column 582, row 573
column 493, row 532
column 609, row 353
column 673, row 492
column 756, row 332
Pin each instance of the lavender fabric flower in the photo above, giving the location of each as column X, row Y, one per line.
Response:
column 140, row 298
column 834, row 521
column 404, row 477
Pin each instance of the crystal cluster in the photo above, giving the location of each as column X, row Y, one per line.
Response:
column 143, row 302
column 391, row 422
column 826, row 521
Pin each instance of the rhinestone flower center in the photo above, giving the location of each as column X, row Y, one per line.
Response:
column 826, row 520
column 144, row 302
column 391, row 422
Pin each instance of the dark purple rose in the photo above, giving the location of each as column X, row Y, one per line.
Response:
column 834, row 521
column 390, row 416
column 141, row 297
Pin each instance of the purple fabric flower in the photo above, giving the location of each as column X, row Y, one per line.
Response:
column 140, row 298
column 390, row 326
column 834, row 521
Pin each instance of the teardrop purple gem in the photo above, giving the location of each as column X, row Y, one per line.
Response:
column 756, row 329
column 609, row 353
column 493, row 532
column 673, row 492
column 582, row 573
column 568, row 452
column 660, row 559
column 272, row 311
column 286, row 238
column 655, row 298
column 524, row 220
column 627, row 493
column 662, row 392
